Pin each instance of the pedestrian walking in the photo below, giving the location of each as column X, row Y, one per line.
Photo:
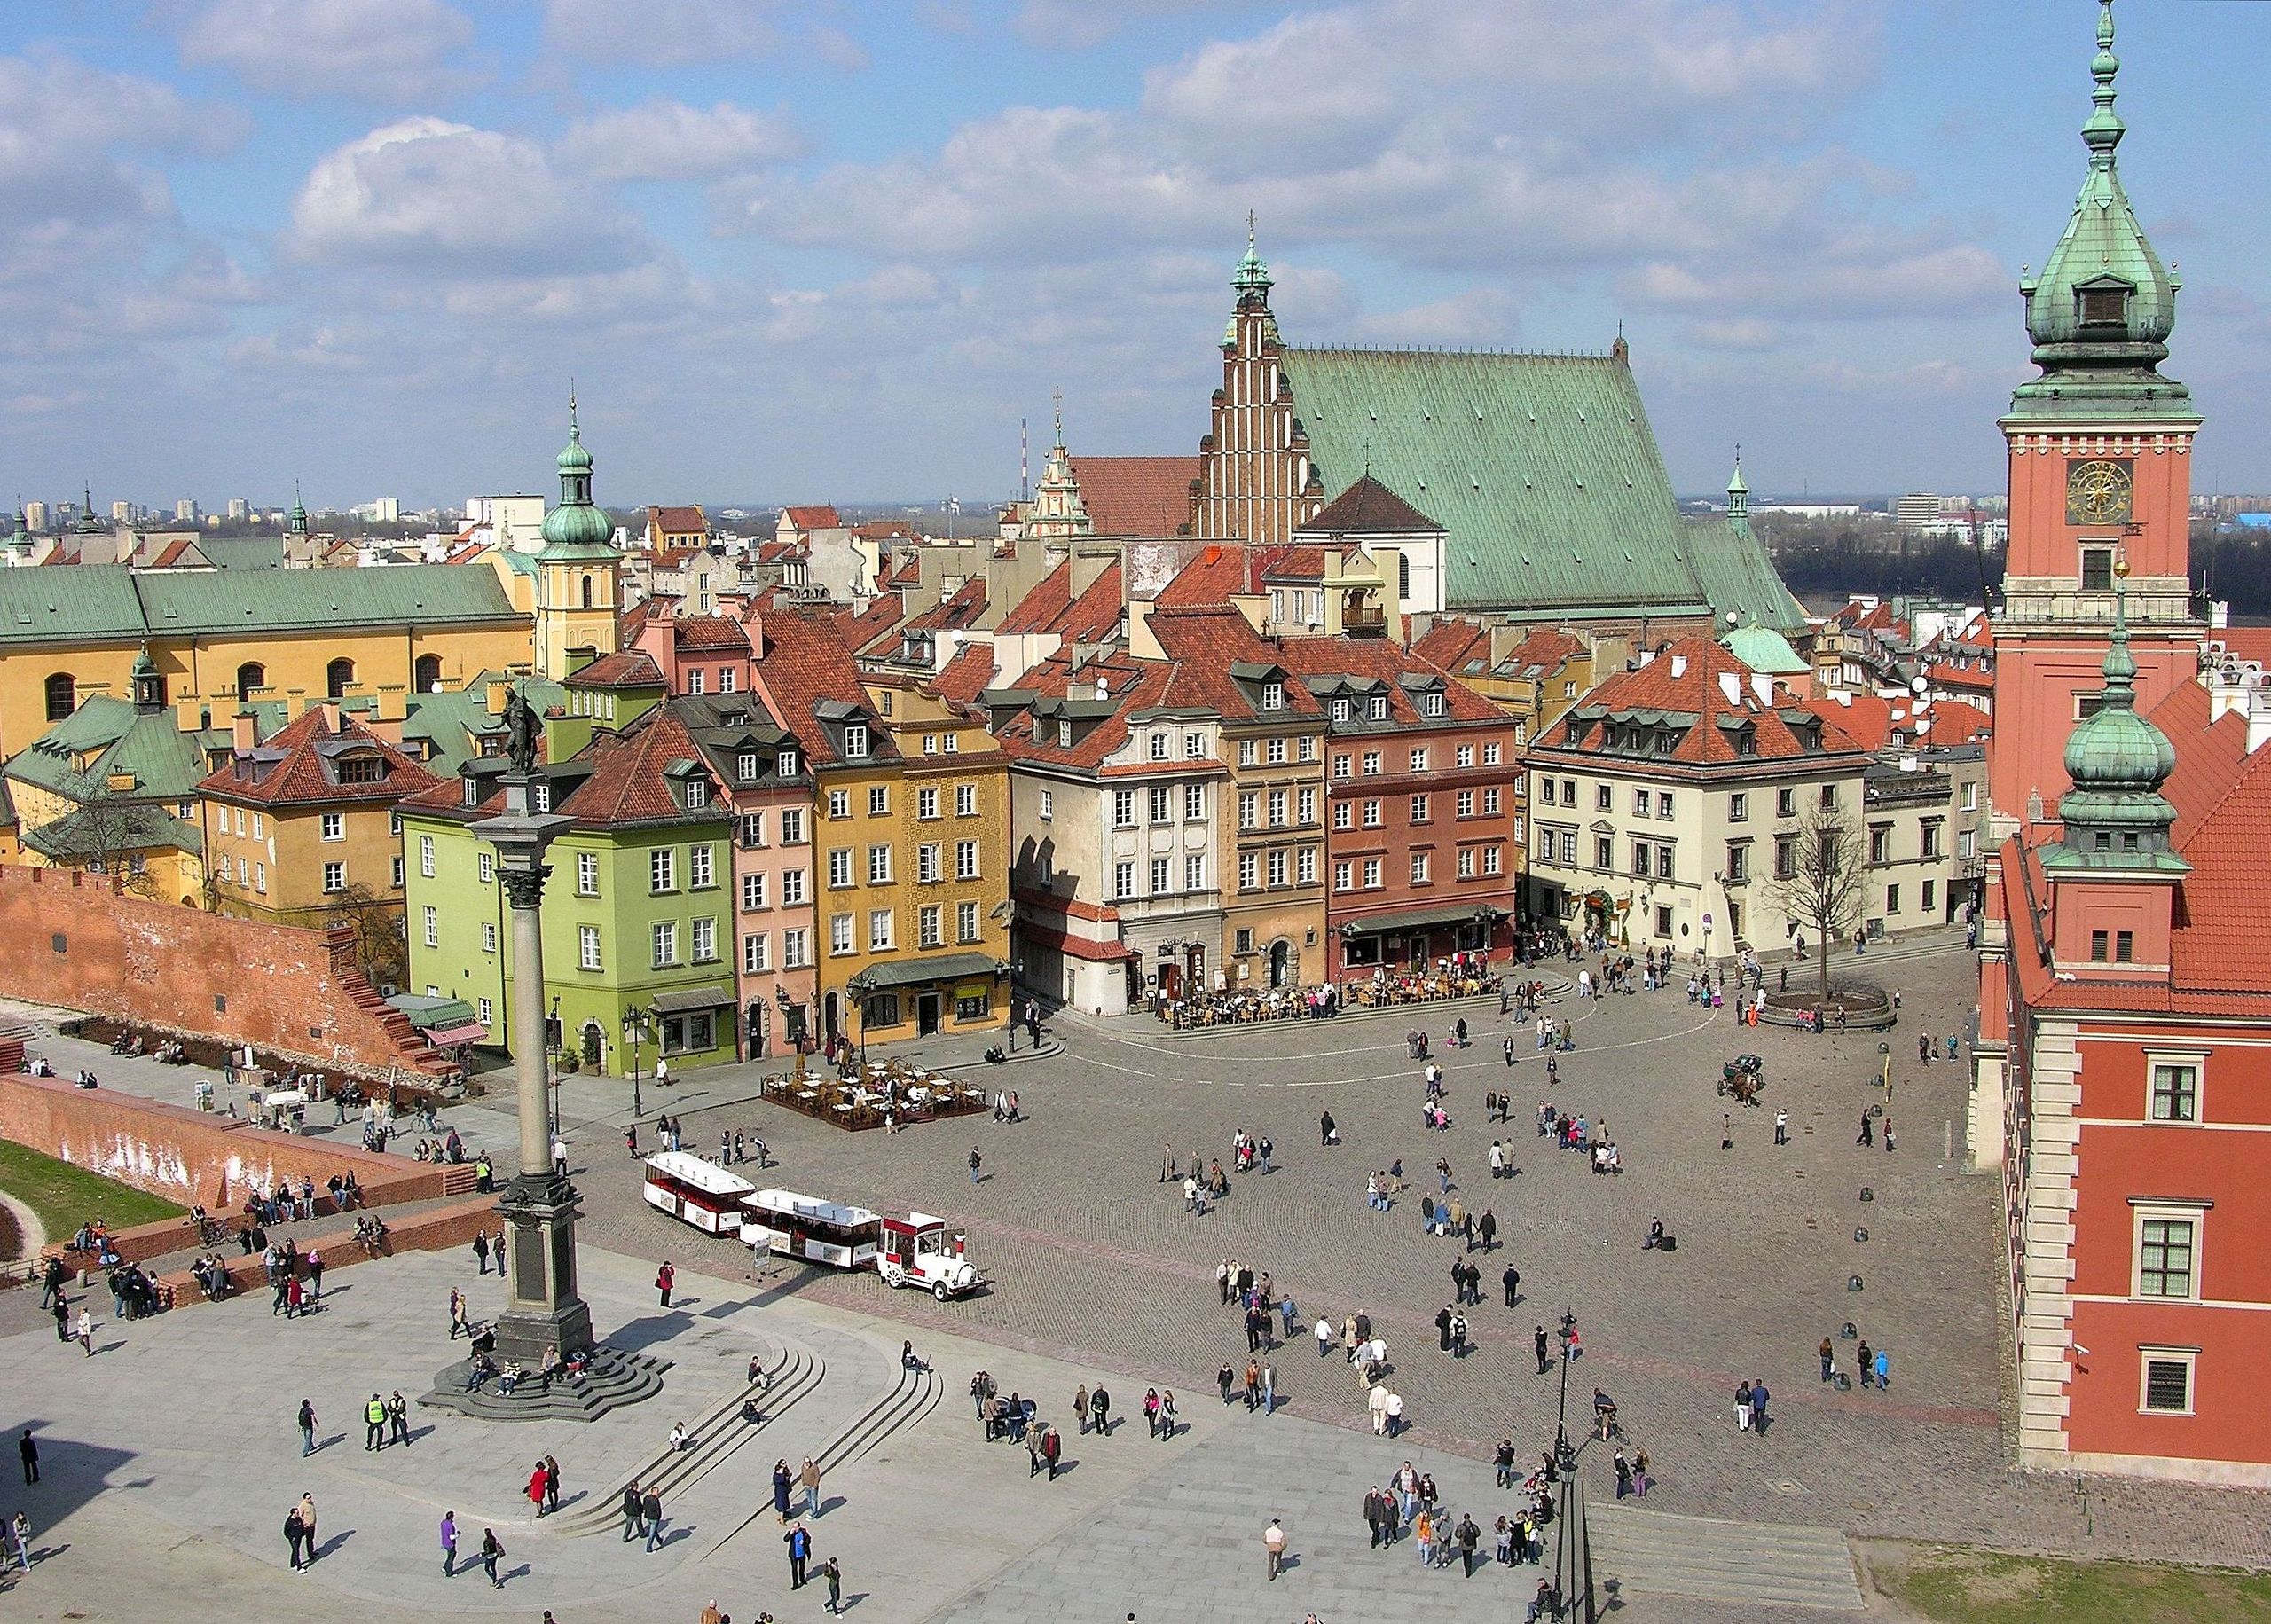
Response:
column 633, row 1517
column 834, row 1573
column 449, row 1544
column 315, row 1271
column 666, row 1277
column 1100, row 1409
column 1538, row 1341
column 1884, row 1370
column 1273, row 1545
column 307, row 1434
column 650, row 1513
column 399, row 1418
column 83, row 1328
column 20, row 1530
column 492, row 1551
column 975, row 1159
column 1512, row 1280
column 28, row 1448
column 1781, row 1128
column 1080, row 1408
column 537, row 1479
column 800, row 1549
column 295, row 1537
column 808, row 1480
column 1828, row 1359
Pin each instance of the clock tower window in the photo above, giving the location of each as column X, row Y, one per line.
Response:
column 2097, row 569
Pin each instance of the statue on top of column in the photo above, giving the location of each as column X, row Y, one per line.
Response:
column 523, row 730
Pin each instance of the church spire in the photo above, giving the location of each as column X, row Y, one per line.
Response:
column 1252, row 278
column 2101, row 310
column 1738, row 493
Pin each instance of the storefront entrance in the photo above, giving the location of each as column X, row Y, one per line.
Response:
column 926, row 1013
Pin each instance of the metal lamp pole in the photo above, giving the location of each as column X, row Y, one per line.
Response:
column 633, row 1030
column 1565, row 1460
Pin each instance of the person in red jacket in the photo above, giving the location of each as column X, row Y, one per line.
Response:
column 538, row 1480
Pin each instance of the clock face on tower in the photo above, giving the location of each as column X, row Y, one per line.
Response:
column 2098, row 492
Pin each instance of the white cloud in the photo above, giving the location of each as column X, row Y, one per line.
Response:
column 430, row 195
column 661, row 33
column 668, row 140
column 1474, row 316
column 66, row 134
column 1739, row 334
column 367, row 50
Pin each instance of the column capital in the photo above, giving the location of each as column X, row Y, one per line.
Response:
column 523, row 887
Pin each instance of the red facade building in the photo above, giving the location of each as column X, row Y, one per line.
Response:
column 2123, row 1075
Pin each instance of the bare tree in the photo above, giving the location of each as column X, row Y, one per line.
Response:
column 108, row 834
column 1821, row 891
column 382, row 949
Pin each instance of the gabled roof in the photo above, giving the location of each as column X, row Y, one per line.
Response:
column 1684, row 689
column 1872, row 721
column 1050, row 607
column 1058, row 690
column 635, row 779
column 1136, row 496
column 959, row 609
column 2225, row 898
column 300, row 766
column 1542, row 468
column 111, row 603
column 820, row 516
column 809, row 666
column 1217, row 655
column 678, row 521
column 1219, row 571
column 969, row 674
column 630, row 668
column 1382, row 668
column 710, row 633
column 1370, row 509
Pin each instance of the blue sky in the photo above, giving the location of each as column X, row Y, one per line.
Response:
column 828, row 250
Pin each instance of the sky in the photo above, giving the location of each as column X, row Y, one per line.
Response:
column 820, row 250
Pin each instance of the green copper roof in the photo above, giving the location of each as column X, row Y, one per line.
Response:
column 450, row 723
column 1252, row 275
column 1544, row 472
column 576, row 530
column 113, row 737
column 2101, row 310
column 2117, row 760
column 109, row 603
column 141, row 828
column 1765, row 650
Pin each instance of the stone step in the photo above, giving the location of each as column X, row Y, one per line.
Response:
column 916, row 1394
column 614, row 1379
column 1782, row 1565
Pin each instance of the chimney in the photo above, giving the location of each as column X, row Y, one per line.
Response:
column 1679, row 666
column 1730, row 684
column 241, row 737
column 331, row 716
column 1763, row 685
column 498, row 691
column 386, row 729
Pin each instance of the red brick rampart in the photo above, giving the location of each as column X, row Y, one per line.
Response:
column 76, row 943
column 187, row 1156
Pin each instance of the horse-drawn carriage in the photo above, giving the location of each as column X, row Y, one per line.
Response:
column 1743, row 1077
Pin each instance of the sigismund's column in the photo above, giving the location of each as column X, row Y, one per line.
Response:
column 539, row 1206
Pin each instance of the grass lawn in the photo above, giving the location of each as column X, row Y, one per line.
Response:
column 65, row 1196
column 1951, row 1586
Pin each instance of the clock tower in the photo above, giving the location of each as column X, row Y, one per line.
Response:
column 2100, row 460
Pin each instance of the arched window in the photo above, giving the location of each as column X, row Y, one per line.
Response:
column 426, row 674
column 251, row 675
column 338, row 677
column 587, row 589
column 62, row 696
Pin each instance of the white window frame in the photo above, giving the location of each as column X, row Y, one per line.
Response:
column 2165, row 1211
column 2149, row 1355
column 2195, row 1061
column 334, row 826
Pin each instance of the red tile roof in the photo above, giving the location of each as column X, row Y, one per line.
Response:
column 678, row 521
column 631, row 668
column 1050, row 607
column 2208, row 758
column 1204, row 643
column 2245, row 642
column 822, row 517
column 1209, row 579
column 959, row 609
column 1370, row 509
column 969, row 674
column 709, row 633
column 299, row 765
column 1136, row 496
column 1688, row 677
column 1039, row 609
column 809, row 663
column 1872, row 720
column 1133, row 685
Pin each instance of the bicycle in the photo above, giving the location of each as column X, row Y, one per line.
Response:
column 211, row 1231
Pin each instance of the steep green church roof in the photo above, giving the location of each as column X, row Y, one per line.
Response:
column 576, row 530
column 2118, row 761
column 1545, row 473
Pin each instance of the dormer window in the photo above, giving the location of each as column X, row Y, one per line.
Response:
column 1431, row 705
column 543, row 797
column 786, row 763
column 472, row 791
column 1273, row 695
column 698, row 793
column 2106, row 305
column 1064, row 734
column 745, row 766
column 855, row 739
column 1343, row 711
column 1376, row 708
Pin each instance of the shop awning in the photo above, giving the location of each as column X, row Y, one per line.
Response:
column 914, row 972
column 1422, row 919
column 693, row 998
column 465, row 1031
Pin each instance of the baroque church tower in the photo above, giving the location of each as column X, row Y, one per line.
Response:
column 2101, row 459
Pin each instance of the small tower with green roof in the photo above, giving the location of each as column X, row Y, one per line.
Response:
column 579, row 572
column 2113, row 871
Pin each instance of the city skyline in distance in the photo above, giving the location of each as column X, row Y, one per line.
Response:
column 824, row 251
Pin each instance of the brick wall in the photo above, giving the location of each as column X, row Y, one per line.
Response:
column 187, row 1156
column 438, row 1230
column 75, row 943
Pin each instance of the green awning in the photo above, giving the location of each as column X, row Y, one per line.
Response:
column 1421, row 919
column 686, row 999
column 913, row 972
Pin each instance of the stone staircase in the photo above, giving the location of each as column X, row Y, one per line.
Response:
column 914, row 1396
column 716, row 1436
column 613, row 1379
column 1765, row 1564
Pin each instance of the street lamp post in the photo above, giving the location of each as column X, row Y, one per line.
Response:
column 634, row 1032
column 863, row 986
column 1565, row 1458
column 557, row 1049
